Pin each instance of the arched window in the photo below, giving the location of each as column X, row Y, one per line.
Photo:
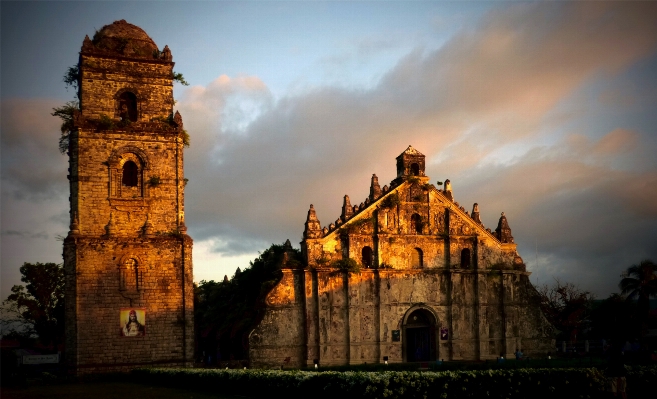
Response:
column 415, row 169
column 130, row 278
column 416, row 224
column 128, row 106
column 465, row 258
column 366, row 257
column 130, row 174
column 417, row 258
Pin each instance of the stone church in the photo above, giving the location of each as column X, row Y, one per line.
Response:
column 127, row 256
column 434, row 283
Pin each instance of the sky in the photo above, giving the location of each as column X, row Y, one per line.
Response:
column 545, row 111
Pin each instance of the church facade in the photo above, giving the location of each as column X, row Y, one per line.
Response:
column 127, row 256
column 408, row 275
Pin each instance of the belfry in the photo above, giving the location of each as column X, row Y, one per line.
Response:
column 127, row 256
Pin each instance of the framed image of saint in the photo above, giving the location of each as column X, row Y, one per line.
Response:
column 133, row 322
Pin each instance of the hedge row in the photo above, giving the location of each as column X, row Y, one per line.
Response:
column 521, row 383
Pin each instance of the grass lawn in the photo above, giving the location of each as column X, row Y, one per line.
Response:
column 104, row 390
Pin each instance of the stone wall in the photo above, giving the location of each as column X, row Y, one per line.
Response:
column 96, row 162
column 166, row 292
column 349, row 319
column 103, row 78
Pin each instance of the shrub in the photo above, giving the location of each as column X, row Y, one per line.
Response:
column 105, row 122
column 520, row 383
column 390, row 201
column 154, row 181
column 346, row 265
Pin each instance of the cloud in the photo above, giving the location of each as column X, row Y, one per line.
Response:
column 32, row 167
column 41, row 234
column 482, row 108
column 488, row 90
column 34, row 186
column 586, row 220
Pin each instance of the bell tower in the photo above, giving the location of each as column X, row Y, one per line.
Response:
column 127, row 256
column 410, row 163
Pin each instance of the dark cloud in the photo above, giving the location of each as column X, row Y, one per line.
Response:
column 42, row 235
column 573, row 215
column 32, row 167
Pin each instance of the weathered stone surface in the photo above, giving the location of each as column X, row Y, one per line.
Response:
column 127, row 247
column 428, row 258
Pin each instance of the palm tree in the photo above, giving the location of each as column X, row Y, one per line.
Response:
column 640, row 282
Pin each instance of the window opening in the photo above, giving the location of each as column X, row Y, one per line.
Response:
column 415, row 169
column 130, row 275
column 128, row 106
column 366, row 257
column 130, row 174
column 465, row 258
column 416, row 224
column 417, row 258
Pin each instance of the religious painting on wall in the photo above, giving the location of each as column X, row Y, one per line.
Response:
column 133, row 322
column 444, row 333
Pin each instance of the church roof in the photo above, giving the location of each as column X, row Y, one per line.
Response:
column 124, row 39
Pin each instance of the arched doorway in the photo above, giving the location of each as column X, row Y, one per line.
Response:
column 420, row 336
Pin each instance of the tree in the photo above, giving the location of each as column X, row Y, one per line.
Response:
column 226, row 312
column 66, row 113
column 614, row 318
column 38, row 306
column 640, row 283
column 566, row 306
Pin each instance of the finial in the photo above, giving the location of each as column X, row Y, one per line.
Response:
column 109, row 228
column 87, row 44
column 475, row 213
column 448, row 190
column 312, row 225
column 375, row 188
column 503, row 231
column 74, row 228
column 347, row 210
column 166, row 53
column 177, row 118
